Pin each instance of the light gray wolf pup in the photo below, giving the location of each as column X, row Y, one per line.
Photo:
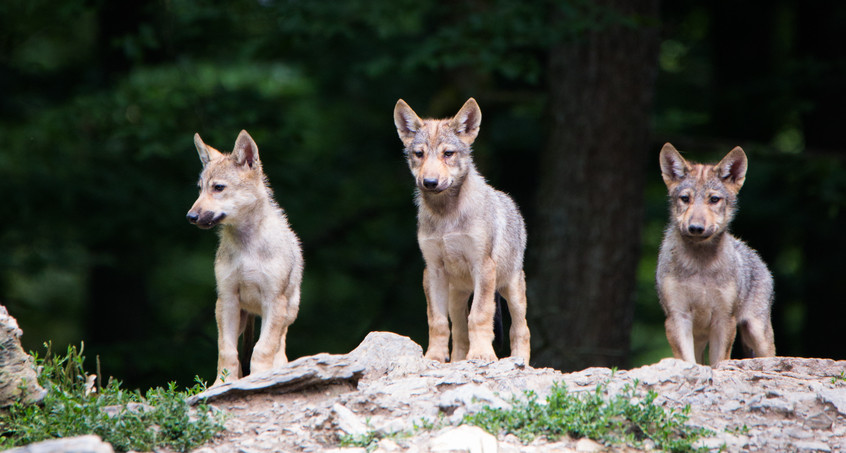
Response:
column 259, row 263
column 472, row 237
column 709, row 282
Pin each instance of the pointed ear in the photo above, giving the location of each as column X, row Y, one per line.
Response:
column 673, row 166
column 207, row 153
column 246, row 151
column 732, row 169
column 467, row 121
column 407, row 122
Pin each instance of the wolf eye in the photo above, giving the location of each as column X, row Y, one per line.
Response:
column 714, row 199
column 448, row 153
column 418, row 154
column 685, row 198
column 218, row 187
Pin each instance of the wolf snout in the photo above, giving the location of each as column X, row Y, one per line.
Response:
column 695, row 229
column 434, row 185
column 430, row 183
column 205, row 219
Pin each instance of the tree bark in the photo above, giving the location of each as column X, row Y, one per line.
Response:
column 586, row 241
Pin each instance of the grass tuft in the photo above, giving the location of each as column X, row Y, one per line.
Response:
column 629, row 417
column 128, row 420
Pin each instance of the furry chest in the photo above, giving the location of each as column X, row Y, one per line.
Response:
column 455, row 253
column 246, row 280
column 702, row 298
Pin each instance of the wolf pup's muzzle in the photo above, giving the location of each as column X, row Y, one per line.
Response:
column 433, row 185
column 205, row 219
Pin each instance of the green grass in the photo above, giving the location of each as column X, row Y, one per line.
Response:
column 128, row 420
column 841, row 378
column 629, row 417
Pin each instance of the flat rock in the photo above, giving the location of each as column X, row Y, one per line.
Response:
column 317, row 370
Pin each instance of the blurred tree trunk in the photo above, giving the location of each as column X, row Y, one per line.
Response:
column 586, row 241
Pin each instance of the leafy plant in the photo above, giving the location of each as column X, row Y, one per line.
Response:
column 629, row 417
column 126, row 419
column 367, row 440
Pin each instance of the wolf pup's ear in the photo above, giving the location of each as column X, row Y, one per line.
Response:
column 207, row 153
column 673, row 165
column 732, row 169
column 467, row 121
column 407, row 122
column 246, row 150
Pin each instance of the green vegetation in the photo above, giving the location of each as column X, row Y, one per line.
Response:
column 367, row 440
column 628, row 417
column 126, row 419
column 841, row 378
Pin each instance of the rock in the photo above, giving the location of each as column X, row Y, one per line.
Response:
column 473, row 397
column 379, row 354
column 464, row 439
column 812, row 445
column 18, row 381
column 382, row 353
column 320, row 369
column 835, row 397
column 415, row 405
column 387, row 445
column 81, row 444
column 348, row 422
column 588, row 445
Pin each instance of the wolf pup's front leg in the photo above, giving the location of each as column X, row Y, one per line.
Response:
column 472, row 237
column 228, row 317
column 436, row 289
column 259, row 262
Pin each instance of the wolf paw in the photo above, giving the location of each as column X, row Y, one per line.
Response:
column 482, row 355
column 440, row 356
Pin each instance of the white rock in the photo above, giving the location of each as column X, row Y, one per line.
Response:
column 812, row 445
column 347, row 421
column 81, row 444
column 588, row 445
column 464, row 439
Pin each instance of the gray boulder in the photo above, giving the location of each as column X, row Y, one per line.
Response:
column 18, row 381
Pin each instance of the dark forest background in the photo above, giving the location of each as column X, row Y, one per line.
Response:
column 99, row 101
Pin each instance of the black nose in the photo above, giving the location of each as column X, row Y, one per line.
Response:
column 192, row 217
column 696, row 229
column 430, row 183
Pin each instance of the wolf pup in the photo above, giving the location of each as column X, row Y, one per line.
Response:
column 259, row 263
column 709, row 282
column 472, row 238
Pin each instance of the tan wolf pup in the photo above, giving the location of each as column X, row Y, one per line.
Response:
column 472, row 237
column 259, row 263
column 709, row 282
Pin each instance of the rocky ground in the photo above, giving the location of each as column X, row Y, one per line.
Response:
column 385, row 385
column 775, row 404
